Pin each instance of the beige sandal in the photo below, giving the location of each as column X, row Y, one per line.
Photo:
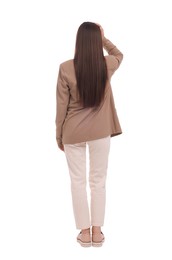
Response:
column 97, row 239
column 84, row 239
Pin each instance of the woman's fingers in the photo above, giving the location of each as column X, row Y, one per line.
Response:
column 101, row 29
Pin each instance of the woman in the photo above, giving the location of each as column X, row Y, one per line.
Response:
column 86, row 114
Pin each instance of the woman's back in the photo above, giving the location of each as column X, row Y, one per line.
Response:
column 84, row 124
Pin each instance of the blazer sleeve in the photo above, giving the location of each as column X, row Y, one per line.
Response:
column 115, row 56
column 62, row 102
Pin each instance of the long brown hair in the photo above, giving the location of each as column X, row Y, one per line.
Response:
column 90, row 65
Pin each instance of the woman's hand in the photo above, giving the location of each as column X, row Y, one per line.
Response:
column 102, row 32
column 101, row 29
column 61, row 147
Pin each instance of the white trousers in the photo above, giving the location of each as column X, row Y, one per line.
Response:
column 98, row 164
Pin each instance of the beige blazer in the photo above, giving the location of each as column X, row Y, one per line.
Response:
column 75, row 124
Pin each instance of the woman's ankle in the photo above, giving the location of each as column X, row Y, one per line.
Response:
column 96, row 229
column 85, row 231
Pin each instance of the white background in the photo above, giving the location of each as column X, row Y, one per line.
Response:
column 36, row 218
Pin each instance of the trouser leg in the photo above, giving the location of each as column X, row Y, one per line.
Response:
column 98, row 153
column 76, row 159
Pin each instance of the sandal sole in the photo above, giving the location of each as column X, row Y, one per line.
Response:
column 88, row 244
column 98, row 244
